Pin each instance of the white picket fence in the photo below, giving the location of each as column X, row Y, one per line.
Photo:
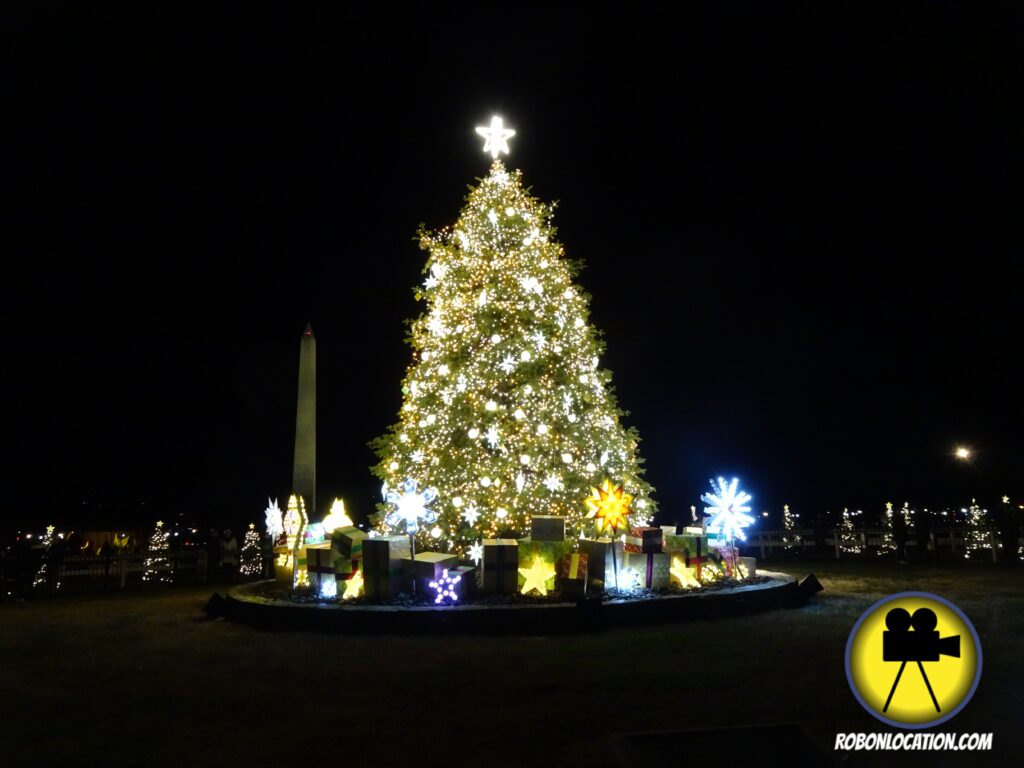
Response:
column 122, row 570
column 982, row 544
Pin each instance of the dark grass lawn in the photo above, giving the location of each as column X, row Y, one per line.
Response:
column 145, row 679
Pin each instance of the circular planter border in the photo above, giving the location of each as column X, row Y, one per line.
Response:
column 781, row 591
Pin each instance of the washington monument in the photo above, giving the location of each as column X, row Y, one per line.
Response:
column 304, row 468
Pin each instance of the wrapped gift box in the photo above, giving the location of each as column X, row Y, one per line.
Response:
column 688, row 544
column 382, row 567
column 600, row 570
column 427, row 567
column 468, row 583
column 667, row 530
column 282, row 563
column 348, row 541
column 572, row 575
column 547, row 528
column 551, row 551
column 643, row 540
column 320, row 567
column 501, row 566
column 652, row 567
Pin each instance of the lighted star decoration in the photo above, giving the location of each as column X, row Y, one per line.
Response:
column 609, row 507
column 728, row 508
column 476, row 552
column 50, row 528
column 337, row 517
column 471, row 515
column 159, row 524
column 684, row 574
column 353, row 586
column 445, row 587
column 537, row 576
column 410, row 506
column 497, row 136
column 1006, row 499
column 273, row 517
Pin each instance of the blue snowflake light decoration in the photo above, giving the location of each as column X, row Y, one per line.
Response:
column 728, row 509
column 446, row 588
column 411, row 506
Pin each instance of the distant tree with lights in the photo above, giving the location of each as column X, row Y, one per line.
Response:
column 977, row 538
column 506, row 411
column 252, row 553
column 791, row 538
column 157, row 566
column 43, row 573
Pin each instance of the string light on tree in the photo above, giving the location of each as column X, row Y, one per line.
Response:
column 977, row 539
column 42, row 574
column 790, row 522
column 504, row 407
column 251, row 563
column 157, row 566
column 849, row 539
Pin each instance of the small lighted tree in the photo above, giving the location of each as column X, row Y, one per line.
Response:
column 849, row 539
column 791, row 539
column 43, row 573
column 888, row 536
column 251, row 563
column 977, row 540
column 157, row 566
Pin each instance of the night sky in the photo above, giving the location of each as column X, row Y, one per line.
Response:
column 802, row 227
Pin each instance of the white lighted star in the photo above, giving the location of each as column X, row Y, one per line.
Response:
column 471, row 515
column 497, row 136
column 476, row 552
column 492, row 436
column 553, row 483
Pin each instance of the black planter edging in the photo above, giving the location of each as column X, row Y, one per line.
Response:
column 553, row 618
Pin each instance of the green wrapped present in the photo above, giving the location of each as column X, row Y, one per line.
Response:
column 651, row 567
column 550, row 551
column 348, row 541
column 382, row 566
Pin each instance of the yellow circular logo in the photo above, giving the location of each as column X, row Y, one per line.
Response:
column 913, row 660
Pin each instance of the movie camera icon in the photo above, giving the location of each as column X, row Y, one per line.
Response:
column 923, row 644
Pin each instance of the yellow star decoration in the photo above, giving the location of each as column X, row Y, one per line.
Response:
column 683, row 574
column 537, row 576
column 609, row 506
column 353, row 586
column 159, row 523
column 1006, row 499
column 252, row 526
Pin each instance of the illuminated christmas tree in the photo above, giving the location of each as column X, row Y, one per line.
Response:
column 977, row 539
column 849, row 539
column 888, row 543
column 252, row 553
column 43, row 574
column 506, row 411
column 157, row 566
column 791, row 539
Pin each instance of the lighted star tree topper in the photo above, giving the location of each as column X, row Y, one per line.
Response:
column 506, row 410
